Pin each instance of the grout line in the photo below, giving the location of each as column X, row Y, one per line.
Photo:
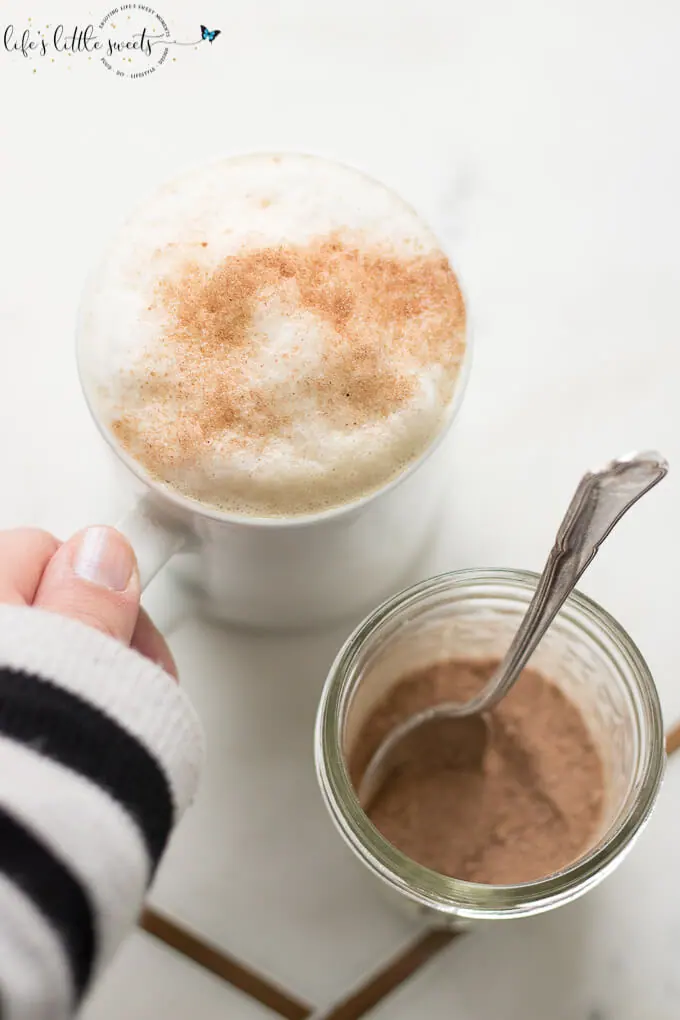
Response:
column 673, row 739
column 224, row 966
column 383, row 982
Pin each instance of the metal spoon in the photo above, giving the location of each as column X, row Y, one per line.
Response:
column 600, row 501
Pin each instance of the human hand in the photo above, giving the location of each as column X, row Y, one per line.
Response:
column 92, row 577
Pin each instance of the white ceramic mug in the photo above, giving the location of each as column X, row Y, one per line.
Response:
column 291, row 571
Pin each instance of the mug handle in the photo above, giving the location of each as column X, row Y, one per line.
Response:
column 153, row 538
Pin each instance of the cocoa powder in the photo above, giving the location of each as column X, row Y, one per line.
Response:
column 528, row 807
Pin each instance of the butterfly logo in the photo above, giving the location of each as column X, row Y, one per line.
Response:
column 206, row 33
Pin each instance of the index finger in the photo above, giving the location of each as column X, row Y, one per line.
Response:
column 24, row 554
column 149, row 642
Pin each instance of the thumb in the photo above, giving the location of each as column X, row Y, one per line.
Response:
column 94, row 578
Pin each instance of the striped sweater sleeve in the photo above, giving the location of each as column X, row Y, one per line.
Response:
column 100, row 753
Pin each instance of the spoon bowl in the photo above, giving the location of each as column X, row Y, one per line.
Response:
column 433, row 740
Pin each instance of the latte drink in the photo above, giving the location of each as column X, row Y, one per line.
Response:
column 273, row 337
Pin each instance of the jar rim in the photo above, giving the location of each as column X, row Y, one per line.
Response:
column 458, row 897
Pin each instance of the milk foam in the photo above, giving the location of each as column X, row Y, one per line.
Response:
column 317, row 442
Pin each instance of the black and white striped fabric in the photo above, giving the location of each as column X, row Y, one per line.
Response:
column 100, row 754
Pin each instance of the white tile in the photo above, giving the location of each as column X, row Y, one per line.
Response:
column 147, row 980
column 257, row 865
column 611, row 956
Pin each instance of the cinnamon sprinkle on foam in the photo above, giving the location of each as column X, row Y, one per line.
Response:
column 274, row 335
column 382, row 315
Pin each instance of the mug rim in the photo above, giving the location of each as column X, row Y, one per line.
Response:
column 187, row 504
column 457, row 897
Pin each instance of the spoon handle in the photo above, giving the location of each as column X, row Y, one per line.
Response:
column 600, row 501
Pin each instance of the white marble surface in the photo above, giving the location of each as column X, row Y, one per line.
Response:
column 148, row 981
column 542, row 143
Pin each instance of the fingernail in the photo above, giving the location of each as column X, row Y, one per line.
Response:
column 104, row 558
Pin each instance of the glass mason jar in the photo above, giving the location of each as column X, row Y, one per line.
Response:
column 474, row 614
